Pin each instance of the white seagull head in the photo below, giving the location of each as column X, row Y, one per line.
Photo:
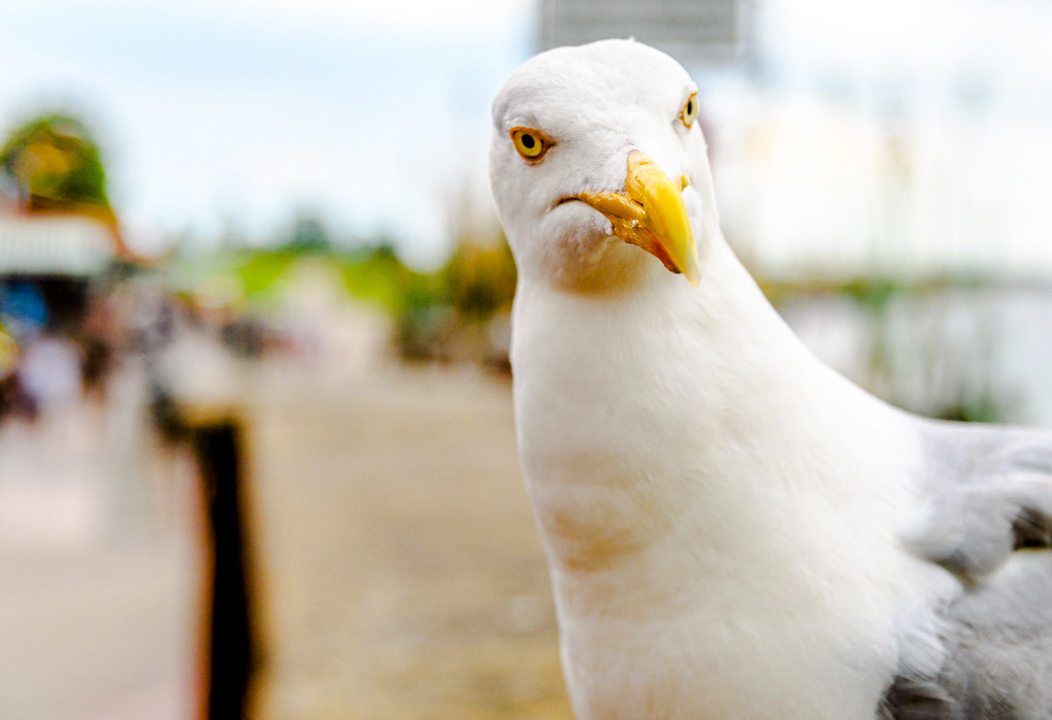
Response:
column 596, row 153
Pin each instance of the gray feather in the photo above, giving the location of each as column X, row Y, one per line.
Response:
column 1000, row 664
column 989, row 520
column 990, row 492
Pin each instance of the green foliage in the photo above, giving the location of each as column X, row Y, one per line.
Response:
column 981, row 409
column 873, row 293
column 373, row 274
column 260, row 271
column 377, row 274
column 56, row 163
column 479, row 279
column 443, row 315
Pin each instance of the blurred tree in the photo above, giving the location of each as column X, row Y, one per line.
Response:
column 458, row 314
column 56, row 166
column 376, row 273
column 479, row 278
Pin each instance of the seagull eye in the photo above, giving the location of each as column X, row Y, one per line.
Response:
column 531, row 144
column 689, row 113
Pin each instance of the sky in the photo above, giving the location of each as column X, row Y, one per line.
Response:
column 237, row 116
column 912, row 132
column 233, row 117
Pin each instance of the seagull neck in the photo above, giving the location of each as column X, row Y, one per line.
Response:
column 634, row 408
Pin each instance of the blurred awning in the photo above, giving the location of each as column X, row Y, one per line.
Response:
column 54, row 245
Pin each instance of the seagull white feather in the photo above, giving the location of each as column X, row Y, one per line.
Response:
column 734, row 530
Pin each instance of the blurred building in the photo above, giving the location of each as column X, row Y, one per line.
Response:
column 690, row 30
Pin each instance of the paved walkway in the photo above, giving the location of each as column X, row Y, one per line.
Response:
column 99, row 566
column 402, row 572
column 398, row 568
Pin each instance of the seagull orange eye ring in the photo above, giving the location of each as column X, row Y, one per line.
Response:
column 530, row 143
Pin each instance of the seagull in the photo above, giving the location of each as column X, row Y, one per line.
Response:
column 733, row 530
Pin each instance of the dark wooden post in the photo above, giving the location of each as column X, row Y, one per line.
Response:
column 231, row 655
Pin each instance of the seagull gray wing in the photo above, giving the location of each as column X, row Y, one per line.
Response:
column 988, row 519
column 989, row 492
column 998, row 644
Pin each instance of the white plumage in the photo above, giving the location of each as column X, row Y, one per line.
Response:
column 734, row 530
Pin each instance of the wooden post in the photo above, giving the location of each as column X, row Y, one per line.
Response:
column 231, row 654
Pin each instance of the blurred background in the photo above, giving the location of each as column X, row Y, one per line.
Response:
column 257, row 455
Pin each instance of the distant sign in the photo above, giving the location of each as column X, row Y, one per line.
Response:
column 686, row 29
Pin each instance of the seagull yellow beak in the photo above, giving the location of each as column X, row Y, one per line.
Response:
column 650, row 214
